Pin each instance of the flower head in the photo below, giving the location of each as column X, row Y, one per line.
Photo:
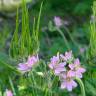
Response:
column 9, row 93
column 60, row 68
column 57, row 21
column 56, row 65
column 67, row 57
column 23, row 67
column 27, row 66
column 76, row 69
column 32, row 60
column 67, row 82
column 54, row 61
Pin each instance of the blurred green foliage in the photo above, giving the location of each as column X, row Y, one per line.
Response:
column 73, row 7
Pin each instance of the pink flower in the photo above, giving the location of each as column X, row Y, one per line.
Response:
column 67, row 83
column 32, row 60
column 23, row 67
column 56, row 66
column 27, row 66
column 59, row 68
column 54, row 61
column 76, row 69
column 68, row 56
column 57, row 21
column 9, row 93
column 66, row 67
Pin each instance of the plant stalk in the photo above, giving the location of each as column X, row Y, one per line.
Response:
column 81, row 86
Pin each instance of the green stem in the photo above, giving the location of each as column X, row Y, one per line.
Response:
column 12, row 86
column 63, row 36
column 81, row 86
column 34, row 82
column 10, row 67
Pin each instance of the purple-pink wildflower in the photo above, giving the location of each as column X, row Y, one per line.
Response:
column 23, row 67
column 66, row 67
column 54, row 61
column 57, row 21
column 76, row 69
column 56, row 66
column 67, row 57
column 9, row 93
column 32, row 60
column 67, row 83
column 60, row 68
column 27, row 66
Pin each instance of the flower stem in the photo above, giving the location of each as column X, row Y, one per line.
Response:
column 12, row 86
column 63, row 36
column 81, row 86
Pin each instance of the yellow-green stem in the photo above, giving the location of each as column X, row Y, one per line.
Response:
column 81, row 86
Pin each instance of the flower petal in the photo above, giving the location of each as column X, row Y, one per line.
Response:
column 63, row 85
column 71, row 73
column 78, row 74
column 63, row 64
column 81, row 70
column 77, row 62
column 59, row 70
column 74, row 84
column 69, row 86
column 71, row 66
column 51, row 65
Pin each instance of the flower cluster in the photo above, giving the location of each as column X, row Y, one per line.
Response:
column 27, row 66
column 67, row 68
